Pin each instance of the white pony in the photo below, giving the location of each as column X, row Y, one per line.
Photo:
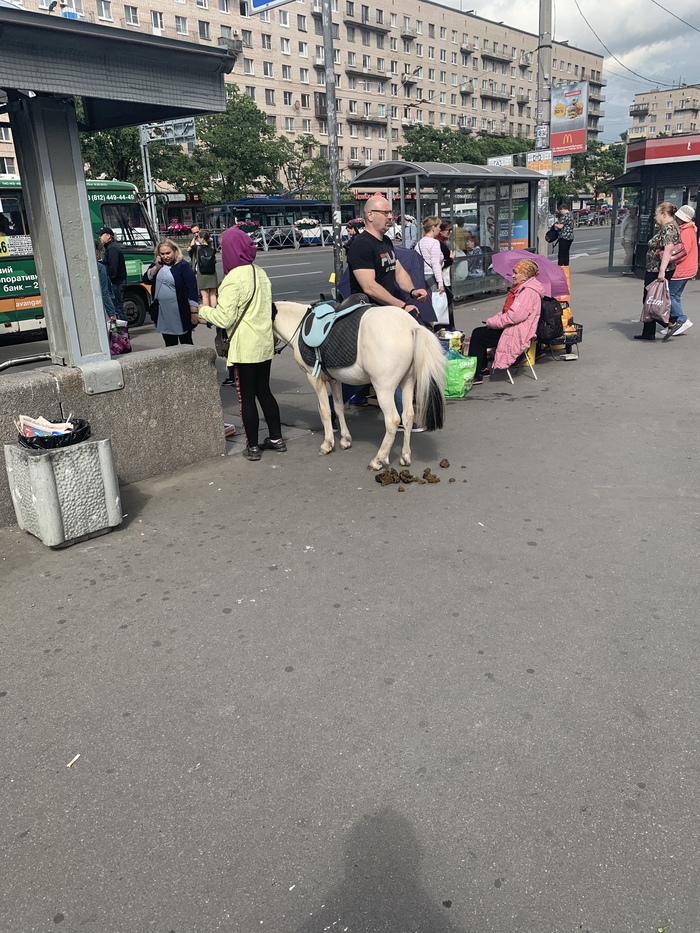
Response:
column 392, row 350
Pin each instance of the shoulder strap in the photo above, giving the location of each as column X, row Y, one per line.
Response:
column 247, row 305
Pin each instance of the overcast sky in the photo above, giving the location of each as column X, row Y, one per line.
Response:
column 642, row 35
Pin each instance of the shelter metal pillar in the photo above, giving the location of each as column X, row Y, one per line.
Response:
column 45, row 133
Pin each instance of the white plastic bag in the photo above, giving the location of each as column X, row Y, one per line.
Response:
column 439, row 301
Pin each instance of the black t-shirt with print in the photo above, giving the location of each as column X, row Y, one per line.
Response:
column 370, row 253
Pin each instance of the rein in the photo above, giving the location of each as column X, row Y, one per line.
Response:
column 287, row 343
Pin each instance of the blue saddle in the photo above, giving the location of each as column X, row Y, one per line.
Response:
column 320, row 319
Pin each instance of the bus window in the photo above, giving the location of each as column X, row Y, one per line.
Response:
column 13, row 229
column 129, row 224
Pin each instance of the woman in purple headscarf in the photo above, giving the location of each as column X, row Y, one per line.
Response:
column 244, row 311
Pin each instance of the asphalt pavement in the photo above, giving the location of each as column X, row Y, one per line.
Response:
column 304, row 702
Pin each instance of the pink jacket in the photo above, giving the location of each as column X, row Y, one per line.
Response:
column 688, row 268
column 519, row 323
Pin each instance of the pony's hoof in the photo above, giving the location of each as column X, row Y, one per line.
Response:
column 375, row 465
column 405, row 461
column 345, row 444
column 323, row 450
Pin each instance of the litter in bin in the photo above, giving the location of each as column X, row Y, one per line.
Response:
column 40, row 434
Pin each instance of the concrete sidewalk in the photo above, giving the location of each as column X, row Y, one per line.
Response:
column 304, row 702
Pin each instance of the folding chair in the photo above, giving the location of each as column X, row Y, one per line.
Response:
column 528, row 357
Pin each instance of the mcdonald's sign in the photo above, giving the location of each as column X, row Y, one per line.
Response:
column 569, row 118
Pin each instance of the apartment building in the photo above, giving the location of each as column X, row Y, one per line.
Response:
column 398, row 64
column 670, row 112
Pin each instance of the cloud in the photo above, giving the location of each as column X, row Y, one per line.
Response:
column 639, row 33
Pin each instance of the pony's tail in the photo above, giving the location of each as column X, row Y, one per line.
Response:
column 429, row 367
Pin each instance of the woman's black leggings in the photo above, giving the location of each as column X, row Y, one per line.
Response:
column 481, row 340
column 564, row 249
column 253, row 382
column 171, row 340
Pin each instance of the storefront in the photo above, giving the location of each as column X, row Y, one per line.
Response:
column 656, row 170
column 495, row 206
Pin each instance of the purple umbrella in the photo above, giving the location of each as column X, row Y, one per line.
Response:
column 551, row 276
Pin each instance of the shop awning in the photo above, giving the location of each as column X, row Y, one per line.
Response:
column 629, row 178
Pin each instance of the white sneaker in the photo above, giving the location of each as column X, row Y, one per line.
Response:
column 663, row 331
column 686, row 325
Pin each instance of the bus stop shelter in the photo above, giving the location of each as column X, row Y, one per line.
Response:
column 123, row 78
column 500, row 208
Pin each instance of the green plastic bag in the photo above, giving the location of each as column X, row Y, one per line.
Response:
column 459, row 374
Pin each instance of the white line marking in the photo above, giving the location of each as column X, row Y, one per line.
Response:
column 293, row 275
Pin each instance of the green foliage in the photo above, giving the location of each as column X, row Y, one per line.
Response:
column 433, row 144
column 304, row 172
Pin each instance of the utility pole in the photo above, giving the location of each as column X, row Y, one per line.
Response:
column 149, row 188
column 544, row 114
column 332, row 137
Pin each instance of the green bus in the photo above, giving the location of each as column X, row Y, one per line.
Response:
column 112, row 204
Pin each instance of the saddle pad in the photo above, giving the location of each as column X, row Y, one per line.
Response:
column 339, row 349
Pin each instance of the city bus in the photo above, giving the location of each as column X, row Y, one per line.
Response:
column 276, row 216
column 112, row 204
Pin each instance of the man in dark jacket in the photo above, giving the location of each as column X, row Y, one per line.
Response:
column 113, row 260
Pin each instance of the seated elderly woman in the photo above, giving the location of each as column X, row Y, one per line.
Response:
column 512, row 330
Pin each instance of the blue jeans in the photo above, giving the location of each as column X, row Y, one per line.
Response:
column 675, row 287
column 119, row 298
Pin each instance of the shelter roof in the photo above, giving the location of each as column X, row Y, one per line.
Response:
column 440, row 173
column 124, row 78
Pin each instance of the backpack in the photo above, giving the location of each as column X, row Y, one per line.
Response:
column 550, row 325
column 206, row 260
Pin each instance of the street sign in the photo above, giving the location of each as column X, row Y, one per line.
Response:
column 259, row 6
column 561, row 165
column 540, row 161
column 504, row 161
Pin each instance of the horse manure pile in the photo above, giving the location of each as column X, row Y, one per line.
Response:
column 391, row 477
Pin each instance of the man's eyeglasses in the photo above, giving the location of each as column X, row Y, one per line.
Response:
column 386, row 213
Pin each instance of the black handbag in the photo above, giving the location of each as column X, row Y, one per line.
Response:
column 552, row 235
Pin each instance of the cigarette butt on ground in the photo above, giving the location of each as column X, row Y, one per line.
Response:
column 72, row 761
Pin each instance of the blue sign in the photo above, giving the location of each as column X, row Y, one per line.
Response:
column 258, row 6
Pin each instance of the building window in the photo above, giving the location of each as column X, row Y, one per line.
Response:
column 181, row 25
column 285, row 47
column 286, row 72
column 303, row 50
column 304, row 75
column 301, row 22
column 131, row 15
column 268, row 70
column 203, row 4
column 224, row 6
column 289, row 124
column 679, row 127
column 204, row 30
column 225, row 32
column 250, row 91
column 248, row 66
column 157, row 20
column 284, row 18
column 269, row 95
column 5, row 133
column 287, row 98
column 306, row 126
column 7, row 166
column 104, row 9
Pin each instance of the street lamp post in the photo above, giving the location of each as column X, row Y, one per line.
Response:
column 332, row 137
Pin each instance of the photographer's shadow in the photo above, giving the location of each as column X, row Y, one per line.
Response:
column 381, row 889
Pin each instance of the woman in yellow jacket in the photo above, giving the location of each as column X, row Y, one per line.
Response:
column 244, row 311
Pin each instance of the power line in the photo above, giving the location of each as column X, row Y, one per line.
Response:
column 671, row 13
column 612, row 55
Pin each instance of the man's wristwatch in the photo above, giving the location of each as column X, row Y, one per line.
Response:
column 410, row 294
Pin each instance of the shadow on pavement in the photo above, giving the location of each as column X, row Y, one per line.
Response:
column 381, row 889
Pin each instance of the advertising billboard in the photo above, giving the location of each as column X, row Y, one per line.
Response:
column 569, row 118
column 540, row 161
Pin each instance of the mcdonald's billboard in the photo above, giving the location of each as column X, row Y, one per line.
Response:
column 569, row 118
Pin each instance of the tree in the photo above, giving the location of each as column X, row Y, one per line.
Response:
column 430, row 144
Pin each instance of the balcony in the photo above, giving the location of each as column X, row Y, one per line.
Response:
column 363, row 71
column 497, row 56
column 320, row 113
column 595, row 94
column 408, row 79
column 407, row 32
column 358, row 163
column 466, row 88
column 599, row 82
column 492, row 93
column 467, row 48
column 522, row 99
column 525, row 59
column 685, row 105
column 637, row 109
column 371, row 119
